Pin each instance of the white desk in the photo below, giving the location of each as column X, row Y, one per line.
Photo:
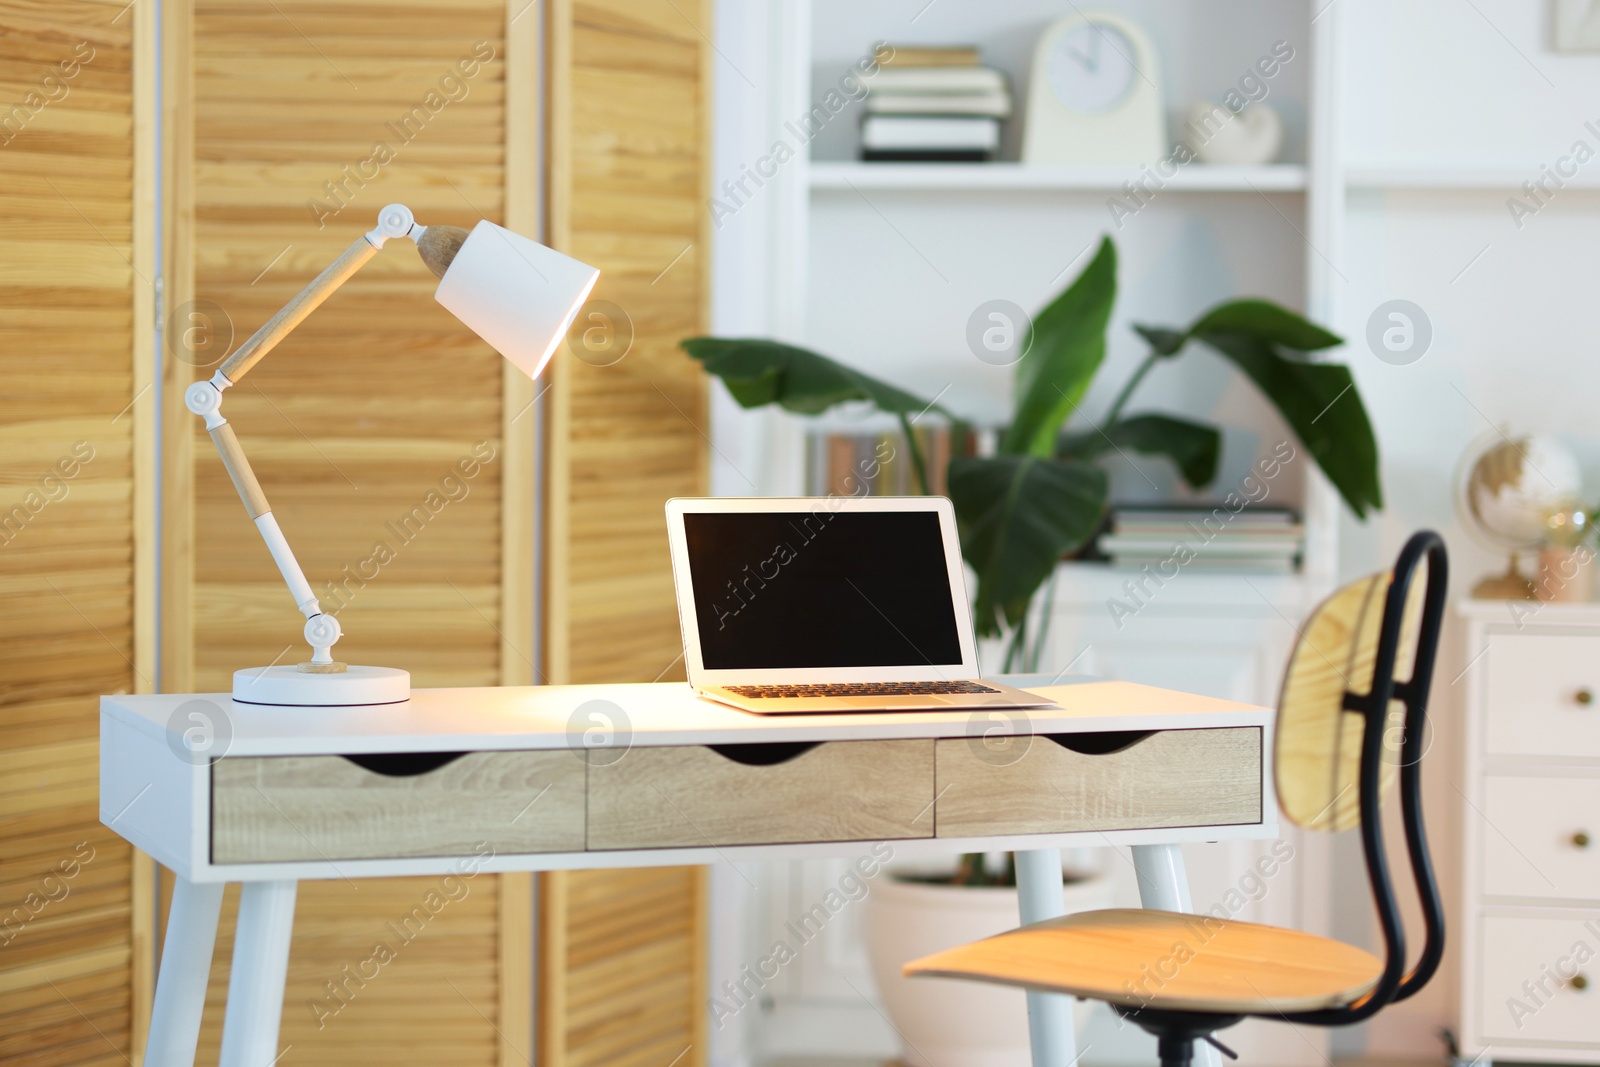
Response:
column 561, row 777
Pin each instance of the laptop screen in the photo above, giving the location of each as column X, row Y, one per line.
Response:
column 821, row 589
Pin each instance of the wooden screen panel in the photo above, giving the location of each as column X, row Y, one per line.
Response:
column 622, row 953
column 629, row 159
column 297, row 121
column 76, row 310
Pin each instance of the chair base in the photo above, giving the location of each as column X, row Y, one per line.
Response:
column 1177, row 1031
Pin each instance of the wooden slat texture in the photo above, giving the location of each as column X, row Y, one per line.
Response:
column 378, row 430
column 630, row 988
column 382, row 971
column 622, row 955
column 76, row 308
column 1035, row 786
column 690, row 796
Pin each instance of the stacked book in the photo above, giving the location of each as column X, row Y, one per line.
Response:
column 879, row 464
column 1249, row 541
column 933, row 105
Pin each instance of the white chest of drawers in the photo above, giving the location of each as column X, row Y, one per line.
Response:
column 1529, row 922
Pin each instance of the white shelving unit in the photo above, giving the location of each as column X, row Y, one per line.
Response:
column 1492, row 179
column 1006, row 177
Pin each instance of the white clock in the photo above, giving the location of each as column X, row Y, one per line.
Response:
column 1095, row 94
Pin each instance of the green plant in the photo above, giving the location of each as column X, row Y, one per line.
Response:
column 1044, row 493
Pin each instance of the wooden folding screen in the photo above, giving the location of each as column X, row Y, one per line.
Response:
column 76, row 506
column 622, row 954
column 292, row 123
column 288, row 124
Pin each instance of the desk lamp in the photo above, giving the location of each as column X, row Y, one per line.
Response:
column 516, row 294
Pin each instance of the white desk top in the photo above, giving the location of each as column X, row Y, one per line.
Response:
column 668, row 713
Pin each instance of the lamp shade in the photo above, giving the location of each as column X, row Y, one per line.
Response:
column 515, row 293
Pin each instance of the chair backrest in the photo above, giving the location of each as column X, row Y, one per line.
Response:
column 1351, row 719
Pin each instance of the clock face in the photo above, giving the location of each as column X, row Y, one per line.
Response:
column 1092, row 68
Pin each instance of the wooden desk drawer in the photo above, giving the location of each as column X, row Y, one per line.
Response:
column 1531, row 839
column 283, row 808
column 761, row 794
column 1039, row 786
column 1544, row 695
column 1544, row 955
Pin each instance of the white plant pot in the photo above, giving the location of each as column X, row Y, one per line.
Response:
column 943, row 1022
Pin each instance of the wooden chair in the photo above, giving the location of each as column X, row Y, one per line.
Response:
column 1347, row 726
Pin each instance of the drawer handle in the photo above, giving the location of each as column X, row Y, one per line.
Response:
column 1100, row 744
column 769, row 754
column 1579, row 982
column 1580, row 840
column 1584, row 696
column 404, row 764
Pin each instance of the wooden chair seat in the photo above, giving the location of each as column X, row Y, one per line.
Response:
column 1138, row 958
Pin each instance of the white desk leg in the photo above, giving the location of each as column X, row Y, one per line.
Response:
column 1164, row 886
column 1049, row 1014
column 260, row 965
column 180, row 997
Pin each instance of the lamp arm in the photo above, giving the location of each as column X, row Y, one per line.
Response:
column 321, row 631
column 204, row 398
column 295, row 311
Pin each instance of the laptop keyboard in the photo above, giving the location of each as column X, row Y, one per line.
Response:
column 860, row 689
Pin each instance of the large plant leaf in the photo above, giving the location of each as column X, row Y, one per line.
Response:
column 1265, row 320
column 1192, row 447
column 1018, row 515
column 1320, row 403
column 759, row 372
column 1065, row 346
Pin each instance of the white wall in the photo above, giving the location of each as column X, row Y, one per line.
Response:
column 1460, row 85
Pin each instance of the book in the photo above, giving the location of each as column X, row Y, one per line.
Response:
column 996, row 105
column 924, row 56
column 1161, row 548
column 936, row 80
column 1213, row 566
column 1249, row 515
column 1210, row 537
column 842, row 463
column 937, row 133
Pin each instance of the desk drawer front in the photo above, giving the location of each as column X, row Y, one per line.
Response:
column 1544, row 955
column 1544, row 695
column 1541, row 839
column 284, row 808
column 691, row 796
column 1037, row 786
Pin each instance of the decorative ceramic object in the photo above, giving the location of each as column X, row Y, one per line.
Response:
column 1577, row 26
column 1219, row 136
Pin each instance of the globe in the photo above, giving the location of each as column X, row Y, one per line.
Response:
column 1511, row 485
column 1507, row 490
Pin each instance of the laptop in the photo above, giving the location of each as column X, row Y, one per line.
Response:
column 802, row 605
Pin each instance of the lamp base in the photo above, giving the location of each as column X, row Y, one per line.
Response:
column 352, row 687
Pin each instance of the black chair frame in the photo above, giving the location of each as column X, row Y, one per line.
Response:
column 1176, row 1031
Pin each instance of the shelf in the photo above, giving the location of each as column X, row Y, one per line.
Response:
column 1490, row 179
column 1085, row 586
column 1006, row 177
